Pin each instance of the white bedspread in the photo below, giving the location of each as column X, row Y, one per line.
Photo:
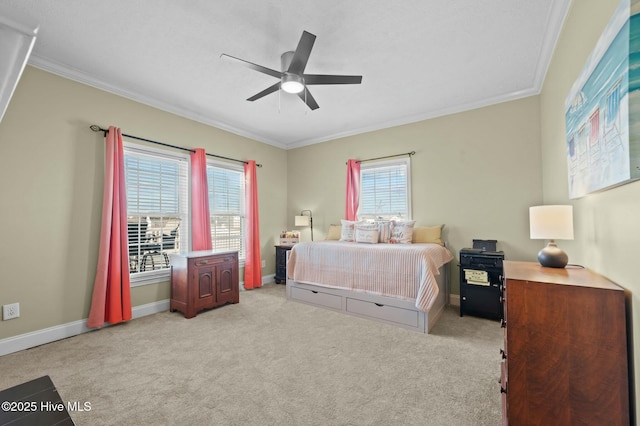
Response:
column 405, row 271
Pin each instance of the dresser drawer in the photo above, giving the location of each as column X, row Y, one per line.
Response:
column 383, row 312
column 213, row 260
column 317, row 298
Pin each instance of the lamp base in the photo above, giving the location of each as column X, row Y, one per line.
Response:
column 552, row 257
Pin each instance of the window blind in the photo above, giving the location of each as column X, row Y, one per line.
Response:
column 384, row 190
column 157, row 207
column 226, row 207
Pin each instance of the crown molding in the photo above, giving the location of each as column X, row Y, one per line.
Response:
column 421, row 117
column 83, row 78
column 555, row 23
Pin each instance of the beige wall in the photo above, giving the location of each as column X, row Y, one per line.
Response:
column 51, row 168
column 607, row 229
column 477, row 172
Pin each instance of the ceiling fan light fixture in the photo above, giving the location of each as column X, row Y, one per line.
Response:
column 292, row 76
column 292, row 83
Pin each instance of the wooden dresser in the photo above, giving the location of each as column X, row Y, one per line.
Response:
column 202, row 280
column 565, row 350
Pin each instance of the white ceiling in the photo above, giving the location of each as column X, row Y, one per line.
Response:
column 419, row 58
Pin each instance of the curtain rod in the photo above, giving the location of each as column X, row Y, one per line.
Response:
column 388, row 156
column 97, row 128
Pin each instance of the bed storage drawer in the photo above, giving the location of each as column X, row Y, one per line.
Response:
column 383, row 312
column 317, row 298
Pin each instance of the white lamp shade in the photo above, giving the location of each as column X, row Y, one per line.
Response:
column 551, row 222
column 302, row 220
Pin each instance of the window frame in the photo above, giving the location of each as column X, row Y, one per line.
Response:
column 243, row 208
column 162, row 275
column 379, row 164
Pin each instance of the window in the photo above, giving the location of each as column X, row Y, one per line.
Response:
column 157, row 209
column 385, row 190
column 226, row 207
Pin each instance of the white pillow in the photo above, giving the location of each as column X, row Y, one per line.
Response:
column 384, row 230
column 402, row 232
column 348, row 231
column 367, row 234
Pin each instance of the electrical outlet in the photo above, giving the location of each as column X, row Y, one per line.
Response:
column 10, row 311
column 264, row 263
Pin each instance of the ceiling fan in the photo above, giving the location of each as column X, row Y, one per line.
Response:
column 292, row 77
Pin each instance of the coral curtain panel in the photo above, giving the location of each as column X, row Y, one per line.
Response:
column 111, row 301
column 253, row 262
column 353, row 189
column 200, row 218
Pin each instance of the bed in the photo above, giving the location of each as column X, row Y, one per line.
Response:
column 399, row 284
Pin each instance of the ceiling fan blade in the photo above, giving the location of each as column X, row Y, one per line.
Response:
column 265, row 92
column 332, row 79
column 301, row 54
column 306, row 97
column 259, row 68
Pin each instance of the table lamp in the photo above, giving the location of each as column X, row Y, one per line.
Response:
column 305, row 220
column 551, row 223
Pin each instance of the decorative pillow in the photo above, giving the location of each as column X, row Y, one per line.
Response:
column 335, row 232
column 401, row 232
column 384, row 230
column 348, row 230
column 367, row 234
column 428, row 234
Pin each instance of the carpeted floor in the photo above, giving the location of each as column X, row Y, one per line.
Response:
column 270, row 361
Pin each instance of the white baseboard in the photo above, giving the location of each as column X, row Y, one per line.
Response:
column 58, row 332
column 265, row 280
column 454, row 300
column 268, row 278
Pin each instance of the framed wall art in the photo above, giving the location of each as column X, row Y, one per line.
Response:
column 602, row 110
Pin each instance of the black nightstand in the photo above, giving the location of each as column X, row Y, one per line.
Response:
column 481, row 283
column 281, row 263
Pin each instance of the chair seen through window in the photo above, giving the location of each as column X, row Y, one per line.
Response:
column 149, row 246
